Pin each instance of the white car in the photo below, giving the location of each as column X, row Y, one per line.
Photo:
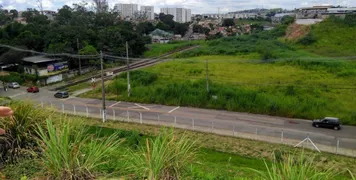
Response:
column 13, row 85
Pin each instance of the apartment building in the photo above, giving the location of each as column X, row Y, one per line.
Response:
column 127, row 10
column 181, row 15
column 149, row 11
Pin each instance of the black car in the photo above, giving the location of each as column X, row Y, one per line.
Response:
column 61, row 94
column 328, row 122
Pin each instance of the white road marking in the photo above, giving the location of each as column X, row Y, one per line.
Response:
column 142, row 107
column 173, row 109
column 115, row 104
column 65, row 99
column 17, row 95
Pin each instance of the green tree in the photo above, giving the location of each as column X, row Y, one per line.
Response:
column 286, row 20
column 14, row 13
column 228, row 22
column 180, row 28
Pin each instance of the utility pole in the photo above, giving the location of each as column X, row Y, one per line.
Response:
column 80, row 63
column 207, row 76
column 102, row 86
column 128, row 70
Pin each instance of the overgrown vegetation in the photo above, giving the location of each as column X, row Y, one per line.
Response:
column 19, row 140
column 72, row 150
column 160, row 49
column 70, row 153
column 165, row 157
column 295, row 88
column 332, row 37
column 296, row 167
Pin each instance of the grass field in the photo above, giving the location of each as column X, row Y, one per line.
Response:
column 302, row 89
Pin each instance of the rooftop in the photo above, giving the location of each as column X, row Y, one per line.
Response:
column 39, row 59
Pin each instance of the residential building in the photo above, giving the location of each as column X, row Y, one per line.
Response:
column 50, row 14
column 149, row 11
column 338, row 12
column 49, row 68
column 127, row 10
column 277, row 18
column 181, row 15
column 160, row 36
column 314, row 12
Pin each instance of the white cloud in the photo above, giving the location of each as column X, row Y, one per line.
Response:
column 197, row 6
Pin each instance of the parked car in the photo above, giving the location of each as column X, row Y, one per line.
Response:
column 328, row 122
column 33, row 89
column 13, row 85
column 61, row 94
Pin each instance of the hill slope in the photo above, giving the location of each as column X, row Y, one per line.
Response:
column 332, row 37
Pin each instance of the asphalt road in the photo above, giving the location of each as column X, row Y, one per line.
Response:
column 268, row 126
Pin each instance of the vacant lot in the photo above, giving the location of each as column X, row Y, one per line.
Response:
column 299, row 88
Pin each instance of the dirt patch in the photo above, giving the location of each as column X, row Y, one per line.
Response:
column 296, row 31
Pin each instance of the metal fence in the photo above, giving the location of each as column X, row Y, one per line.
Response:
column 319, row 142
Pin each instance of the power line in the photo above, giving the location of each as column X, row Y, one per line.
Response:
column 106, row 56
column 48, row 54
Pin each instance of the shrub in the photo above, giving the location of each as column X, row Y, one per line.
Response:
column 164, row 157
column 307, row 40
column 141, row 77
column 69, row 152
column 296, row 167
column 21, row 128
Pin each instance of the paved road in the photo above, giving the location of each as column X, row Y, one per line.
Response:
column 268, row 126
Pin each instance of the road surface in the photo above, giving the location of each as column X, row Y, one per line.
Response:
column 265, row 125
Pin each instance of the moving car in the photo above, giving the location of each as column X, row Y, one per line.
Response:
column 61, row 94
column 33, row 89
column 13, row 85
column 327, row 122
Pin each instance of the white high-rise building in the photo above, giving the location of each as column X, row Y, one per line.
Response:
column 127, row 10
column 150, row 12
column 181, row 15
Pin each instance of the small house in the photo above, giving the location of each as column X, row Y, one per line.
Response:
column 48, row 69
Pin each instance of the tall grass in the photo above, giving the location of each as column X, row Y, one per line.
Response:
column 164, row 157
column 296, row 167
column 20, row 137
column 69, row 152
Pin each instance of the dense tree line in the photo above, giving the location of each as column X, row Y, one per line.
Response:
column 103, row 30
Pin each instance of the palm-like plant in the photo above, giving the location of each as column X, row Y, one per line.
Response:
column 295, row 167
column 69, row 152
column 20, row 137
column 164, row 157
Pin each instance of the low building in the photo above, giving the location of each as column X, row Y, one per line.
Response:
column 49, row 69
column 314, row 12
column 339, row 12
column 160, row 36
column 277, row 19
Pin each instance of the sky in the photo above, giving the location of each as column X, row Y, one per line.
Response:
column 197, row 6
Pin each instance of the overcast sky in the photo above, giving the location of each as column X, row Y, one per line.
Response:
column 197, row 6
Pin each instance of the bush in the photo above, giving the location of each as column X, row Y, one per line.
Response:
column 69, row 152
column 21, row 130
column 296, row 167
column 141, row 77
column 164, row 157
column 307, row 40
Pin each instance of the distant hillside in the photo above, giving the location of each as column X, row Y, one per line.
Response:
column 332, row 37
